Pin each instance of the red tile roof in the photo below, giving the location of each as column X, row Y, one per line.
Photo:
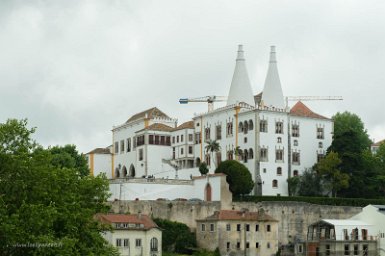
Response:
column 240, row 215
column 158, row 127
column 151, row 113
column 186, row 125
column 147, row 222
column 300, row 109
column 100, row 151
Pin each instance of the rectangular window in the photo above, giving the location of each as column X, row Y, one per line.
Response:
column 118, row 242
column 355, row 252
column 295, row 130
column 129, row 145
column 256, row 245
column 300, row 249
column 238, row 245
column 173, row 139
column 141, row 154
column 138, row 242
column 238, row 227
column 150, row 139
column 364, row 233
column 177, row 139
column 320, row 157
column 327, row 250
column 190, row 137
column 157, row 140
column 256, row 228
column 365, row 251
column 346, row 250
column 211, row 227
column 247, row 227
column 116, row 147
column 207, row 134
column 346, row 235
column 296, row 158
column 263, row 155
column 181, row 151
column 190, row 149
column 228, row 245
column 140, row 140
column 126, row 242
column 198, row 138
column 181, row 138
column 263, row 126
column 134, row 141
column 218, row 134
column 268, row 228
column 278, row 127
column 279, row 155
column 162, row 140
column 122, row 146
column 320, row 133
column 228, row 227
column 168, row 141
column 203, row 227
column 247, row 245
column 173, row 152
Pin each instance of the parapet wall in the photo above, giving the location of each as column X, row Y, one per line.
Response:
column 293, row 217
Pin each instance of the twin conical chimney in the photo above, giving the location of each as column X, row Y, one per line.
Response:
column 240, row 90
column 272, row 95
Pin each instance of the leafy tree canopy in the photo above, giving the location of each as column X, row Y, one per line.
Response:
column 176, row 236
column 238, row 177
column 69, row 157
column 46, row 210
column 203, row 168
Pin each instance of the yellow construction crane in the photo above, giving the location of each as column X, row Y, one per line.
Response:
column 209, row 99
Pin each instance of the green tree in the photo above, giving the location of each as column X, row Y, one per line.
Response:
column 45, row 205
column 238, row 177
column 69, row 157
column 333, row 179
column 310, row 184
column 176, row 236
column 293, row 185
column 212, row 147
column 203, row 168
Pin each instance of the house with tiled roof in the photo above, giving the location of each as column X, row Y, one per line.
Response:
column 133, row 234
column 238, row 233
column 374, row 147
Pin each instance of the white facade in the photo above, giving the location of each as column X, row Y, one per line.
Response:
column 273, row 141
column 375, row 215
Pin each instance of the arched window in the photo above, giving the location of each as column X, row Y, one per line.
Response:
column 245, row 154
column 240, row 127
column 251, row 125
column 245, row 126
column 154, row 244
column 197, row 162
column 207, row 159
column 295, row 173
column 117, row 173
column 279, row 140
column 124, row 171
column 208, row 192
column 279, row 171
column 251, row 153
column 131, row 172
column 275, row 184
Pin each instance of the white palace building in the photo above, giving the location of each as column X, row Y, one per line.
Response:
column 273, row 141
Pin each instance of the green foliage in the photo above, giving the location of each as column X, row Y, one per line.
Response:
column 293, row 185
column 203, row 168
column 310, row 184
column 176, row 237
column 333, row 179
column 69, row 157
column 212, row 147
column 238, row 177
column 356, row 202
column 46, row 210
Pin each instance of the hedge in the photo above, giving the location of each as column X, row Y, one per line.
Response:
column 357, row 202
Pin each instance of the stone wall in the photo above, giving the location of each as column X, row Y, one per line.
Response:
column 293, row 217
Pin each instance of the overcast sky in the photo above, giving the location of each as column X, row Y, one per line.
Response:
column 76, row 68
